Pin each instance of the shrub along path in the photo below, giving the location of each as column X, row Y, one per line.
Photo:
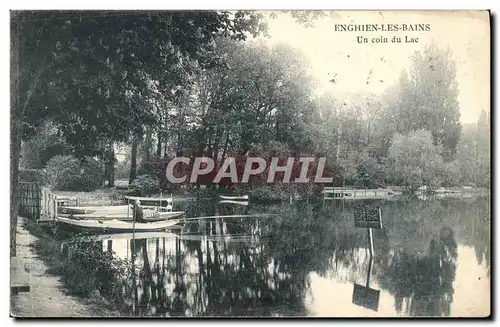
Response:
column 46, row 297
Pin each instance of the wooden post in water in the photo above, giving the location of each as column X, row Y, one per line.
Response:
column 134, row 214
column 370, row 267
column 370, row 239
column 135, row 304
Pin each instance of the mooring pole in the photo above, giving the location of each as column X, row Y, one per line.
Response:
column 134, row 217
column 134, row 284
column 370, row 266
column 370, row 239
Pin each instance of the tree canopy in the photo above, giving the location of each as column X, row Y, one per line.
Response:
column 95, row 74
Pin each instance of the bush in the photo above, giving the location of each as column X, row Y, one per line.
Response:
column 90, row 269
column 153, row 166
column 32, row 176
column 270, row 192
column 122, row 170
column 84, row 268
column 68, row 173
column 281, row 191
column 146, row 184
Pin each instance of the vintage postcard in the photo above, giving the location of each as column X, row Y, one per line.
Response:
column 250, row 164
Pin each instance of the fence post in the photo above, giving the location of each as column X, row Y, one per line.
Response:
column 54, row 201
column 38, row 201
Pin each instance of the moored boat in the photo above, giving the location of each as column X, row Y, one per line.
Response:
column 132, row 199
column 242, row 203
column 154, row 216
column 91, row 209
column 115, row 225
column 73, row 210
column 104, row 209
column 241, row 197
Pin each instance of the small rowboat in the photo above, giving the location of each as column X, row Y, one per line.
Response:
column 103, row 210
column 132, row 199
column 116, row 225
column 156, row 216
column 241, row 197
column 154, row 201
column 242, row 203
column 73, row 210
column 86, row 210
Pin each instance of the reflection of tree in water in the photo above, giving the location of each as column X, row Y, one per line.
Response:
column 475, row 217
column 245, row 279
column 214, row 277
column 154, row 297
column 211, row 276
column 424, row 283
column 410, row 224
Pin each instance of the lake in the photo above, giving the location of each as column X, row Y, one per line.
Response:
column 432, row 258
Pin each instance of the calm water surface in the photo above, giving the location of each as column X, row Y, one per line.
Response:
column 431, row 259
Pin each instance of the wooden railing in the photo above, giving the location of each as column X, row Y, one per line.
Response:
column 48, row 204
column 37, row 203
column 29, row 195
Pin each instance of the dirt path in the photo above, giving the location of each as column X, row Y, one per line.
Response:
column 47, row 297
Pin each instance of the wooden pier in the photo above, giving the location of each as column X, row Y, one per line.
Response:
column 356, row 194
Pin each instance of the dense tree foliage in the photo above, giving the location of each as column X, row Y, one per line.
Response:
column 427, row 98
column 414, row 159
column 155, row 85
column 96, row 74
column 36, row 151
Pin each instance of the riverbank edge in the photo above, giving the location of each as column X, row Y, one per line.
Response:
column 48, row 296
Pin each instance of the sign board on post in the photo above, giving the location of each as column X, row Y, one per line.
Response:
column 366, row 217
column 365, row 297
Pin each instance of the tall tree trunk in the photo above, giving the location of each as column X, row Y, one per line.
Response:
column 215, row 154
column 179, row 145
column 15, row 154
column 338, row 141
column 111, row 166
column 209, row 147
column 133, row 162
column 104, row 168
column 147, row 145
column 16, row 121
column 158, row 145
column 226, row 143
column 16, row 116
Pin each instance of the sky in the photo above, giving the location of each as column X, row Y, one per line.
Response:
column 333, row 52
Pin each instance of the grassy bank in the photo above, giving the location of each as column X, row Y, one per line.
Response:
column 98, row 278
